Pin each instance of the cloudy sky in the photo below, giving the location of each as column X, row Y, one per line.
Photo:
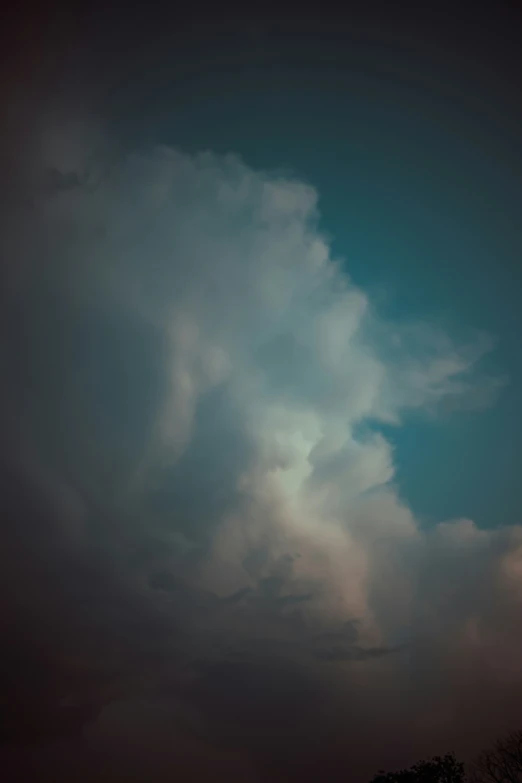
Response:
column 260, row 417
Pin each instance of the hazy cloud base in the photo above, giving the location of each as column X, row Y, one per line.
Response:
column 204, row 552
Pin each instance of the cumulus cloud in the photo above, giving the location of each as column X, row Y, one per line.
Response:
column 198, row 498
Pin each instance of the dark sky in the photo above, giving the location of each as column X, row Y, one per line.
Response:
column 260, row 416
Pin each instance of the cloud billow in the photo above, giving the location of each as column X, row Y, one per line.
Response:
column 198, row 498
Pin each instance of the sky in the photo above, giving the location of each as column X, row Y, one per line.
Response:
column 260, row 417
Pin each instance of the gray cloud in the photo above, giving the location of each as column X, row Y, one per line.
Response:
column 190, row 510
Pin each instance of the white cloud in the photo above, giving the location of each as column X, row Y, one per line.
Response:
column 271, row 360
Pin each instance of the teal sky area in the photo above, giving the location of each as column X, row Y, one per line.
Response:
column 412, row 141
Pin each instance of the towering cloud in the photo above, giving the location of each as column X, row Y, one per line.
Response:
column 201, row 529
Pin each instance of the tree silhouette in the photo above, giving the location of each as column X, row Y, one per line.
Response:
column 502, row 763
column 440, row 769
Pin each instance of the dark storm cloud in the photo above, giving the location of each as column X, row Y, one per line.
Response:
column 191, row 518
